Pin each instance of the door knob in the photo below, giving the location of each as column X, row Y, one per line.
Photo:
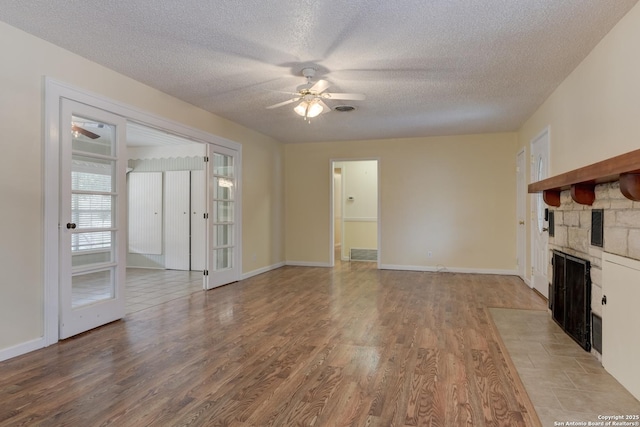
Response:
column 521, row 222
column 71, row 225
column 545, row 229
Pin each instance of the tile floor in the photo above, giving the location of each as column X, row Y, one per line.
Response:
column 90, row 288
column 146, row 288
column 565, row 383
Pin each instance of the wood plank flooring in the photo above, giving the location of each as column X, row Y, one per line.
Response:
column 349, row 346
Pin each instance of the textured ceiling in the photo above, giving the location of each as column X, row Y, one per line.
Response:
column 435, row 67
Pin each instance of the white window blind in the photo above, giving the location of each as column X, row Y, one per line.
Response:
column 91, row 210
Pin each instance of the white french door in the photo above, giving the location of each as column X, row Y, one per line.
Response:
column 539, row 226
column 92, row 221
column 223, row 236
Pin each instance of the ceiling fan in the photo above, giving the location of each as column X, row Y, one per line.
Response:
column 312, row 96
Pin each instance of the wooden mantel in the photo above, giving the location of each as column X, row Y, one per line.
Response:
column 624, row 168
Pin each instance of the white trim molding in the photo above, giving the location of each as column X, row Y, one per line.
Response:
column 262, row 270
column 307, row 264
column 444, row 269
column 22, row 348
column 359, row 219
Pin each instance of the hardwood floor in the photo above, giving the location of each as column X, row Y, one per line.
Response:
column 296, row 346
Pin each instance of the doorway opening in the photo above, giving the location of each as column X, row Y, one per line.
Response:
column 166, row 206
column 355, row 211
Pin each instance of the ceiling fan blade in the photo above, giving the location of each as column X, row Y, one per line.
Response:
column 319, row 86
column 344, row 96
column 283, row 103
column 283, row 91
column 84, row 132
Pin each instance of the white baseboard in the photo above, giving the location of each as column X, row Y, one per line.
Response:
column 20, row 349
column 308, row 264
column 261, row 270
column 443, row 269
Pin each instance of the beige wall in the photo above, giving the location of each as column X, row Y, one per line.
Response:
column 595, row 113
column 26, row 60
column 454, row 196
column 359, row 235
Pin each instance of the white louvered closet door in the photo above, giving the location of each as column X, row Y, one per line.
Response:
column 145, row 213
column 177, row 219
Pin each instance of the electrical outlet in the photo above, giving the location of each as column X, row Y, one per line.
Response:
column 429, row 254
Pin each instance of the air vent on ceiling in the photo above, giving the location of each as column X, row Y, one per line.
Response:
column 344, row 108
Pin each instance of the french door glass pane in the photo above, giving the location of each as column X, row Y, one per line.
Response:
column 86, row 258
column 91, row 287
column 92, row 210
column 92, row 137
column 223, row 235
column 223, row 258
column 223, row 189
column 91, row 243
column 91, row 174
column 222, row 165
column 223, row 211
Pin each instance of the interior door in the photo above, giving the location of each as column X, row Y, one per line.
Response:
column 539, row 225
column 223, row 255
column 92, row 222
column 521, row 212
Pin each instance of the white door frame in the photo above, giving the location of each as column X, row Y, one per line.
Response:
column 521, row 214
column 546, row 132
column 54, row 91
column 332, row 162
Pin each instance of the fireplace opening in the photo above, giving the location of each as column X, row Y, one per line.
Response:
column 571, row 297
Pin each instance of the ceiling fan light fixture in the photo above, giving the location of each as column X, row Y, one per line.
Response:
column 314, row 110
column 301, row 108
column 308, row 109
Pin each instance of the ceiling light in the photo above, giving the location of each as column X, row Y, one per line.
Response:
column 308, row 109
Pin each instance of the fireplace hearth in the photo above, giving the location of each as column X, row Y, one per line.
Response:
column 571, row 296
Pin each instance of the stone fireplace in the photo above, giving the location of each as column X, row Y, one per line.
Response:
column 572, row 232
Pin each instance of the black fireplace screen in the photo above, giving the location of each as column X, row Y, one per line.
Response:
column 571, row 297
